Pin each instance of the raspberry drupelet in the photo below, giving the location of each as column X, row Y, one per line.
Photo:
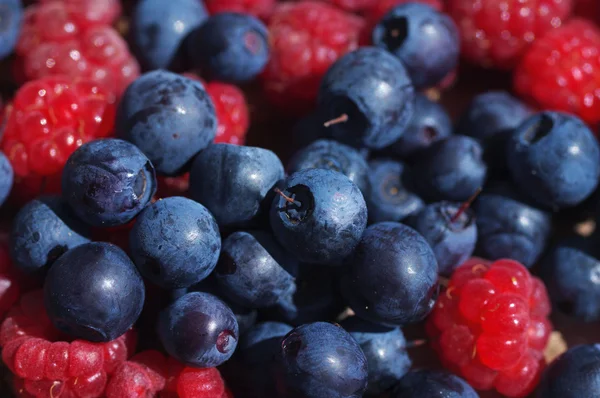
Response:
column 89, row 12
column 259, row 8
column 490, row 326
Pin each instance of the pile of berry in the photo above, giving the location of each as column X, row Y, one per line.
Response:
column 300, row 199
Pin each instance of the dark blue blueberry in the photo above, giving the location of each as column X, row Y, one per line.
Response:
column 42, row 231
column 321, row 360
column 108, row 182
column 372, row 89
column 232, row 181
column 451, row 169
column 199, row 330
column 433, row 384
column 452, row 237
column 555, row 159
column 390, row 198
column 94, row 292
column 230, row 47
column 385, row 349
column 401, row 292
column 425, row 40
column 509, row 226
column 332, row 155
column 262, row 342
column 429, row 123
column 255, row 271
column 11, row 16
column 159, row 29
column 175, row 242
column 571, row 271
column 169, row 117
column 574, row 374
column 6, row 176
column 319, row 216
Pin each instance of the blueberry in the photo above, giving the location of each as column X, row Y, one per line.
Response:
column 42, row 231
column 159, row 29
column 451, row 232
column 6, row 175
column 319, row 216
column 371, row 88
column 169, row 117
column 108, row 182
column 571, row 271
column 175, row 242
column 385, row 350
column 321, row 360
column 94, row 292
column 509, row 226
column 230, row 47
column 332, row 155
column 451, row 169
column 425, row 40
column 254, row 271
column 555, row 159
column 391, row 197
column 401, row 292
column 199, row 330
column 574, row 374
column 232, row 181
column 262, row 342
column 11, row 15
column 429, row 123
column 432, row 384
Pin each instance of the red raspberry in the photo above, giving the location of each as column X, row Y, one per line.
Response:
column 56, row 39
column 259, row 8
column 561, row 71
column 130, row 380
column 306, row 38
column 155, row 364
column 200, row 383
column 93, row 12
column 354, row 5
column 497, row 33
column 490, row 326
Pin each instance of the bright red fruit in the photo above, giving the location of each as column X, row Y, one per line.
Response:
column 259, row 8
column 561, row 71
column 89, row 12
column 200, row 383
column 497, row 33
column 490, row 326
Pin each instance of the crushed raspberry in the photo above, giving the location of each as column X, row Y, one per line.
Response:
column 306, row 38
column 93, row 12
column 58, row 40
column 561, row 71
column 496, row 34
column 490, row 326
column 259, row 8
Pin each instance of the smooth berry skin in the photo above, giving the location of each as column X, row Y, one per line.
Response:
column 7, row 176
column 42, row 231
column 11, row 14
column 230, row 47
column 402, row 292
column 159, row 29
column 385, row 350
column 175, row 242
column 425, row 40
column 322, row 360
column 232, row 181
column 430, row 123
column 332, row 155
column 451, row 169
column 373, row 89
column 169, row 117
column 391, row 197
column 453, row 242
column 555, row 159
column 254, row 271
column 326, row 220
column 576, row 373
column 571, row 271
column 199, row 330
column 94, row 292
column 431, row 383
column 108, row 182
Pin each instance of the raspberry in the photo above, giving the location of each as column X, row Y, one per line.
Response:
column 91, row 12
column 200, row 383
column 589, row 9
column 130, row 380
column 354, row 5
column 155, row 364
column 306, row 38
column 561, row 71
column 259, row 8
column 497, row 33
column 490, row 326
column 57, row 39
